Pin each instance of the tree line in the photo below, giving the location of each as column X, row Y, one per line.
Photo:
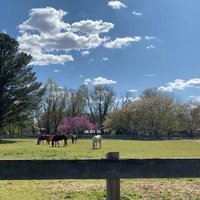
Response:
column 24, row 102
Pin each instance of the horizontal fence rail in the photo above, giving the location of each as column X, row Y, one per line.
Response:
column 99, row 169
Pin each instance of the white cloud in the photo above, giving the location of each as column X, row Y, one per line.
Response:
column 91, row 27
column 195, row 98
column 132, row 90
column 45, row 20
column 122, row 100
column 121, row 42
column 85, row 53
column 150, row 47
column 139, row 14
column 180, row 84
column 99, row 81
column 150, row 75
column 105, row 59
column 49, row 39
column 57, row 70
column 147, row 37
column 87, row 81
column 91, row 60
column 116, row 4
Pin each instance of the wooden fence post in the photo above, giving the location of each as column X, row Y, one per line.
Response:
column 113, row 185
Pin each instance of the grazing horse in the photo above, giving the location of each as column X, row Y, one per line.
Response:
column 96, row 139
column 57, row 138
column 74, row 138
column 49, row 139
column 42, row 138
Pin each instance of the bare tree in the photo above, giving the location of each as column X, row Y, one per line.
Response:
column 99, row 102
column 52, row 107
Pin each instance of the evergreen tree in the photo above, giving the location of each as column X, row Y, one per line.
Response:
column 20, row 93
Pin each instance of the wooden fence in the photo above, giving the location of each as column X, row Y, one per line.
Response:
column 111, row 168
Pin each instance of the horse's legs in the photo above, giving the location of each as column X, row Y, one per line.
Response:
column 95, row 144
column 100, row 144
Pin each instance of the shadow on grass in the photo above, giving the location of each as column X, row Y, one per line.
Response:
column 7, row 141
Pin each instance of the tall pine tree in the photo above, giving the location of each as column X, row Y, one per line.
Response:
column 20, row 93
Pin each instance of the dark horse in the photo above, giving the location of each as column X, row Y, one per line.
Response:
column 57, row 138
column 42, row 138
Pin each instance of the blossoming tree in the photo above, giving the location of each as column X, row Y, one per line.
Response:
column 76, row 125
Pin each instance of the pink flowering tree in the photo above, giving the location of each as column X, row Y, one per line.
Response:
column 76, row 125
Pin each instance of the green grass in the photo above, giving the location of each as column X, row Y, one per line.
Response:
column 133, row 189
column 27, row 149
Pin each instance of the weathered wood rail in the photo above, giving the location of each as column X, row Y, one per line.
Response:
column 111, row 169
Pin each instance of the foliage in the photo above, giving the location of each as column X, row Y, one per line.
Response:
column 76, row 125
column 154, row 114
column 19, row 91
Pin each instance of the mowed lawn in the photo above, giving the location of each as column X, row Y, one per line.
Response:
column 95, row 189
column 27, row 149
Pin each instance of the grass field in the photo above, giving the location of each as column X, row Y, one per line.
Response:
column 95, row 189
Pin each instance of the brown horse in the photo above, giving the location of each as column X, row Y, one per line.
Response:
column 57, row 138
column 48, row 138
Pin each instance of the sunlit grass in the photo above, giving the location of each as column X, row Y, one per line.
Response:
column 27, row 149
column 132, row 189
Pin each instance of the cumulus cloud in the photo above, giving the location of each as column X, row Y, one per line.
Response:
column 99, row 81
column 49, row 39
column 147, row 37
column 121, row 42
column 85, row 53
column 87, row 81
column 57, row 70
column 91, row 27
column 4, row 31
column 139, row 14
column 195, row 98
column 132, row 90
column 45, row 20
column 121, row 101
column 180, row 84
column 150, row 75
column 116, row 5
column 105, row 58
column 151, row 46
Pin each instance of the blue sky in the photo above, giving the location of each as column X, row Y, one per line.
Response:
column 131, row 44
